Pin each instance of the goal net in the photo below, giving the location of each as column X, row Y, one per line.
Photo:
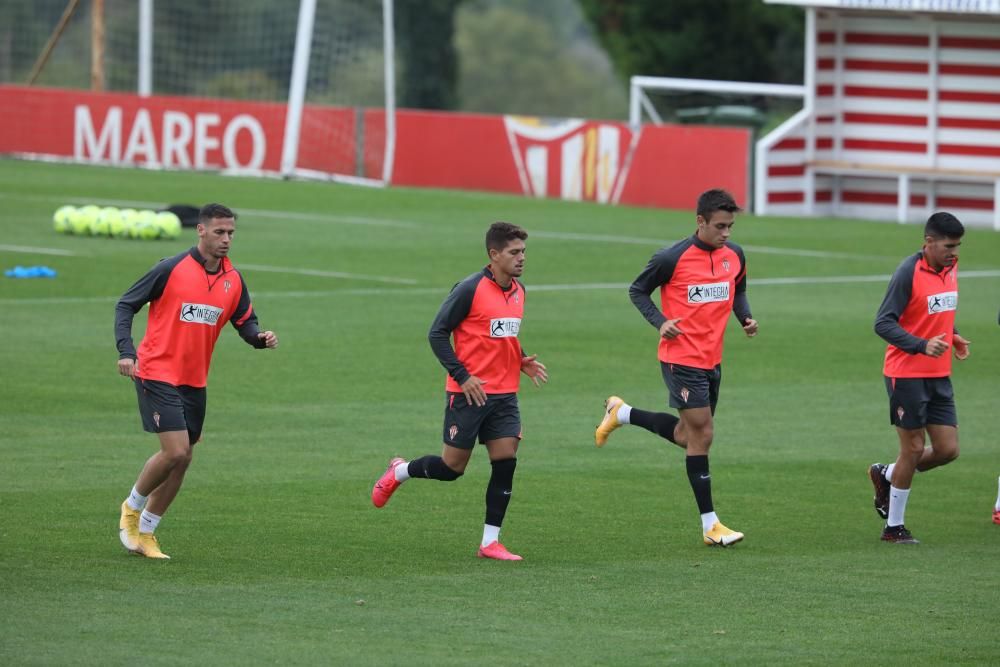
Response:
column 320, row 70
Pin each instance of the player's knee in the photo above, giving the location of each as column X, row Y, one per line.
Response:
column 702, row 435
column 950, row 454
column 179, row 457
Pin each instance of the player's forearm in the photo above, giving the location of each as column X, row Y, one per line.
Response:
column 124, row 314
column 644, row 304
column 441, row 347
column 891, row 332
column 250, row 332
column 741, row 307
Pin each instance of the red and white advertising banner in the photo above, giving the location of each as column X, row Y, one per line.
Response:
column 570, row 159
column 601, row 161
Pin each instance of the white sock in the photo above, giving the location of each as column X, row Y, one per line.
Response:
column 402, row 472
column 708, row 520
column 897, row 505
column 135, row 500
column 148, row 522
column 997, row 506
column 888, row 471
column 491, row 534
column 624, row 412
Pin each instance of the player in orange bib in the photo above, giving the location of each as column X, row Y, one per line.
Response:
column 483, row 315
column 701, row 279
column 917, row 320
column 191, row 297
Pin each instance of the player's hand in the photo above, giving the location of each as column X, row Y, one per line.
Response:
column 127, row 367
column 534, row 369
column 270, row 339
column 961, row 347
column 750, row 327
column 474, row 392
column 936, row 346
column 670, row 330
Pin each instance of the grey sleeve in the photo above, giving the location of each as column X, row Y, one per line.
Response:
column 146, row 289
column 454, row 309
column 657, row 273
column 897, row 296
column 244, row 319
column 741, row 304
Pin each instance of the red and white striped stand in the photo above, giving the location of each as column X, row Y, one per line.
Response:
column 901, row 114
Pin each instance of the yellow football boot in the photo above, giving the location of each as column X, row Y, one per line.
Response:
column 720, row 536
column 149, row 547
column 610, row 421
column 128, row 528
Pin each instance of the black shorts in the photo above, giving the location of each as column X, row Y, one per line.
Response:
column 164, row 407
column 499, row 418
column 916, row 402
column 692, row 387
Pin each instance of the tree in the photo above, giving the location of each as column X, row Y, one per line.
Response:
column 426, row 52
column 741, row 40
column 525, row 57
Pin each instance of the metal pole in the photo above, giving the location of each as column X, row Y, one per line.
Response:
column 297, row 87
column 43, row 58
column 97, row 46
column 145, row 48
column 389, row 51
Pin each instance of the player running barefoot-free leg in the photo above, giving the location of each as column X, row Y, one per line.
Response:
column 701, row 279
column 483, row 314
column 192, row 296
column 996, row 506
column 917, row 320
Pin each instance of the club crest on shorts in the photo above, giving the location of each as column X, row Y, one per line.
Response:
column 684, row 394
column 899, row 413
column 453, row 431
column 156, row 419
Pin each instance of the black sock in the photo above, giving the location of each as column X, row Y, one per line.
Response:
column 701, row 482
column 498, row 490
column 432, row 467
column 660, row 423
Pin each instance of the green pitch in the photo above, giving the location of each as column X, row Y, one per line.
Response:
column 278, row 555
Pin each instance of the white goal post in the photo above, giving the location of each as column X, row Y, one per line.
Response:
column 306, row 61
column 302, row 88
column 640, row 102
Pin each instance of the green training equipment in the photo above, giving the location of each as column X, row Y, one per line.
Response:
column 61, row 218
column 169, row 225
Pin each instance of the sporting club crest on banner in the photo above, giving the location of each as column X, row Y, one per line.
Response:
column 570, row 158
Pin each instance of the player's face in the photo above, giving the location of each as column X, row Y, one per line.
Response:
column 941, row 252
column 510, row 260
column 216, row 236
column 716, row 230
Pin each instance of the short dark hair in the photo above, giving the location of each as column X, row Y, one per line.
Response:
column 711, row 201
column 943, row 225
column 209, row 212
column 500, row 234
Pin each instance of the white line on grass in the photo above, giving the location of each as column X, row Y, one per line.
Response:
column 260, row 213
column 328, row 274
column 319, row 217
column 659, row 243
column 380, row 291
column 32, row 250
column 410, row 224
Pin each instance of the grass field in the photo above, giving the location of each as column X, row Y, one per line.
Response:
column 278, row 555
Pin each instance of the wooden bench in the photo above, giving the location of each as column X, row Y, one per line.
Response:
column 904, row 174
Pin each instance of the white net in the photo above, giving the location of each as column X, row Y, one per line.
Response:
column 227, row 50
